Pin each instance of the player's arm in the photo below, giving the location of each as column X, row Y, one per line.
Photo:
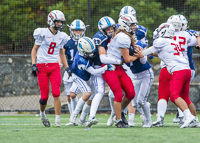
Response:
column 33, row 53
column 97, row 71
column 107, row 60
column 127, row 57
column 63, row 58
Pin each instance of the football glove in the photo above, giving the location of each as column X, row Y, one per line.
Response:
column 197, row 47
column 111, row 67
column 68, row 71
column 34, row 70
column 196, row 34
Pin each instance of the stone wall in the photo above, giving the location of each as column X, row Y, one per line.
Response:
column 16, row 81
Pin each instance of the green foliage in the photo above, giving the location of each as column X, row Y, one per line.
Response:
column 19, row 18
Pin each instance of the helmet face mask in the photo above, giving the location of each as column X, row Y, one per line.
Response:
column 86, row 47
column 105, row 23
column 166, row 30
column 56, row 16
column 125, row 22
column 77, row 25
column 127, row 10
column 184, row 22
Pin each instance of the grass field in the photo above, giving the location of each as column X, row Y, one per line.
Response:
column 29, row 129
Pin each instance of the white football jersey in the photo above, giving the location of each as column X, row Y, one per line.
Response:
column 170, row 53
column 121, row 40
column 185, row 40
column 50, row 44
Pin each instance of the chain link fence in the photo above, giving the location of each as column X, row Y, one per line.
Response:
column 19, row 91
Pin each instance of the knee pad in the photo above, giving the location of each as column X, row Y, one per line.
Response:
column 42, row 102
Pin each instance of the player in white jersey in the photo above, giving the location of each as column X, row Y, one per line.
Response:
column 170, row 52
column 48, row 46
column 185, row 40
column 118, row 79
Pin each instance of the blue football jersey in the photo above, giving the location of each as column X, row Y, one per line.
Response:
column 189, row 52
column 70, row 50
column 136, row 66
column 80, row 65
column 100, row 40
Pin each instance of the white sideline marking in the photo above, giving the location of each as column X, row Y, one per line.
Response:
column 65, row 123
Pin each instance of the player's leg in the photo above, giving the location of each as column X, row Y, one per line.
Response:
column 112, row 80
column 55, row 79
column 146, row 80
column 128, row 88
column 163, row 97
column 73, row 95
column 99, row 86
column 111, row 96
column 43, row 81
column 177, row 82
column 87, row 106
column 86, row 90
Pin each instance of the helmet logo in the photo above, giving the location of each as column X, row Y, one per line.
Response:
column 51, row 15
column 126, row 19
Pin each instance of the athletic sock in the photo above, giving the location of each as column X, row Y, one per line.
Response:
column 73, row 104
column 42, row 114
column 69, row 107
column 85, row 111
column 187, row 113
column 131, row 116
column 57, row 119
column 161, row 107
column 180, row 113
column 147, row 113
column 112, row 105
column 79, row 106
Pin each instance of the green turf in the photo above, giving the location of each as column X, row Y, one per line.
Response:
column 29, row 129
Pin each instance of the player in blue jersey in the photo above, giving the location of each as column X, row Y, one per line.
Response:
column 82, row 70
column 77, row 30
column 101, row 39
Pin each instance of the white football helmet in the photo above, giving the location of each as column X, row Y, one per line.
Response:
column 104, row 23
column 184, row 22
column 86, row 47
column 125, row 22
column 56, row 15
column 166, row 30
column 127, row 10
column 77, row 25
column 175, row 21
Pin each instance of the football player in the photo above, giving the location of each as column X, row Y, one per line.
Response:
column 81, row 72
column 48, row 46
column 107, row 27
column 170, row 53
column 77, row 30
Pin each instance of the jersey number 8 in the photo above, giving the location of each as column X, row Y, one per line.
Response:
column 51, row 48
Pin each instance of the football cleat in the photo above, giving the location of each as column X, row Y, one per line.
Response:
column 91, row 122
column 176, row 119
column 121, row 124
column 181, row 122
column 57, row 124
column 69, row 124
column 110, row 121
column 45, row 121
column 147, row 124
column 82, row 122
column 188, row 122
column 124, row 119
column 195, row 124
column 158, row 122
column 73, row 119
column 131, row 123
